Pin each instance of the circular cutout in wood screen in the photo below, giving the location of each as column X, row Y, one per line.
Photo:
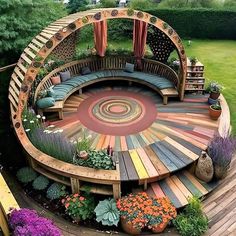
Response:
column 117, row 112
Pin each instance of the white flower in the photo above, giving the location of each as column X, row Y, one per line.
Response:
column 43, row 117
column 49, row 131
column 51, row 126
column 60, row 130
column 45, row 131
column 38, row 116
column 27, row 130
column 32, row 121
column 25, row 120
column 79, row 140
column 89, row 137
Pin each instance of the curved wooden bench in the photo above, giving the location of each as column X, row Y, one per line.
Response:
column 154, row 74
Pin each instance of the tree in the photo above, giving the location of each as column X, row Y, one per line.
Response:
column 142, row 4
column 108, row 3
column 21, row 20
column 77, row 5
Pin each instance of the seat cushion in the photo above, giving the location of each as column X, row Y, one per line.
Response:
column 45, row 102
column 61, row 90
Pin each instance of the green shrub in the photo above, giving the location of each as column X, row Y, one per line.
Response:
column 108, row 3
column 142, row 4
column 97, row 160
column 26, row 175
column 107, row 212
column 56, row 191
column 199, row 23
column 192, row 220
column 40, row 183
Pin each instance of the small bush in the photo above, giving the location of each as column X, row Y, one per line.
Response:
column 107, row 212
column 26, row 175
column 40, row 183
column 56, row 191
column 192, row 220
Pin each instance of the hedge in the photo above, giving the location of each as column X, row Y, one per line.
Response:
column 189, row 23
column 200, row 23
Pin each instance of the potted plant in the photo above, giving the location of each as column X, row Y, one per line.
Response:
column 214, row 88
column 215, row 111
column 83, row 145
column 221, row 150
column 139, row 210
column 193, row 61
column 79, row 207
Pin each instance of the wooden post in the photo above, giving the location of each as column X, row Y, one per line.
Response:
column 116, row 191
column 165, row 100
column 75, row 185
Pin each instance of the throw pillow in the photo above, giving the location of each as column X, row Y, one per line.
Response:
column 65, row 76
column 85, row 71
column 51, row 92
column 129, row 67
column 56, row 80
column 45, row 102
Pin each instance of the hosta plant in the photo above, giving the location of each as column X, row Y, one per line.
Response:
column 107, row 212
column 79, row 207
column 56, row 191
column 26, row 175
column 40, row 183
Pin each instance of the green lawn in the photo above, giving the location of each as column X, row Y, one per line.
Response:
column 219, row 58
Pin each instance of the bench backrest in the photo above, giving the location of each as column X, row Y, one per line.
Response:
column 108, row 63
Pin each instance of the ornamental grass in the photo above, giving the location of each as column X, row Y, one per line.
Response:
column 144, row 211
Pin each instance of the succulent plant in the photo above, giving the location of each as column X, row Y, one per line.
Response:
column 107, row 212
column 26, row 175
column 40, row 183
column 56, row 191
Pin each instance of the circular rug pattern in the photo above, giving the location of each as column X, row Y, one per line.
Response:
column 117, row 112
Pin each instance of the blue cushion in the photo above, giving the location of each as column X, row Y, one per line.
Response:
column 45, row 102
column 51, row 92
column 85, row 71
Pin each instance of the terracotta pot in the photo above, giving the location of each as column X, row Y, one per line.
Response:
column 129, row 228
column 220, row 172
column 159, row 227
column 214, row 114
column 214, row 95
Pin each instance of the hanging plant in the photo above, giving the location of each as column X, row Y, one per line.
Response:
column 98, row 16
column 85, row 19
column 140, row 14
column 153, row 20
column 165, row 25
column 114, row 12
column 170, row 31
column 72, row 26
column 130, row 12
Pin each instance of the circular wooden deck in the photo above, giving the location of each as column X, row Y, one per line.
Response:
column 172, row 141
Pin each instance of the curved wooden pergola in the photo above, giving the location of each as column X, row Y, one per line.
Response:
column 33, row 58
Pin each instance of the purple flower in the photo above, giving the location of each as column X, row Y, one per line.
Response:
column 26, row 222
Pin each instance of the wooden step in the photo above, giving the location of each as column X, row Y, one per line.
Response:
column 180, row 187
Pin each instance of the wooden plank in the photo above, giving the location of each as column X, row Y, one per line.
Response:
column 159, row 166
column 117, row 143
column 95, row 141
column 13, row 94
column 140, row 169
column 32, row 46
column 131, row 171
column 106, row 142
column 41, row 39
column 189, row 185
column 21, row 67
column 123, row 171
column 152, row 172
column 181, row 148
column 135, row 141
column 112, row 142
column 181, row 187
column 13, row 86
column 129, row 142
column 142, row 143
column 181, row 197
column 146, row 141
column 164, row 159
column 157, row 190
column 25, row 58
column 168, row 192
column 195, row 182
column 123, row 143
column 16, row 80
column 100, row 142
column 29, row 53
column 13, row 102
column 19, row 74
column 38, row 43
